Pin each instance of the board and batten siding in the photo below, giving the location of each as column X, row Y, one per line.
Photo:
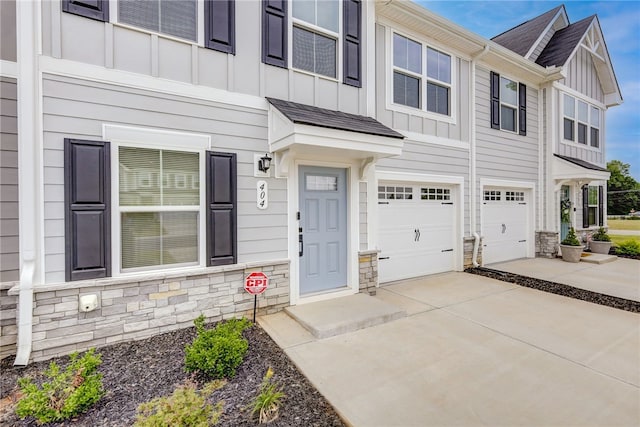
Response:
column 9, row 241
column 419, row 123
column 75, row 108
column 8, row 48
column 139, row 51
column 583, row 77
column 502, row 154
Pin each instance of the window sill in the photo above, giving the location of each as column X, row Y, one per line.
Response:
column 311, row 74
column 147, row 276
column 580, row 145
column 159, row 35
column 421, row 113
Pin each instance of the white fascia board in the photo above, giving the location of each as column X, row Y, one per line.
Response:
column 9, row 69
column 78, row 70
column 360, row 144
column 564, row 170
column 547, row 29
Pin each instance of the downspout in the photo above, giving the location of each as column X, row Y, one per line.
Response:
column 29, row 168
column 472, row 158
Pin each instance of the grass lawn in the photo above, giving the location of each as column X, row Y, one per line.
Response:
column 616, row 239
column 623, row 224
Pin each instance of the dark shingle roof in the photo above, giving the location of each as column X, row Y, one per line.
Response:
column 581, row 163
column 315, row 116
column 520, row 39
column 563, row 42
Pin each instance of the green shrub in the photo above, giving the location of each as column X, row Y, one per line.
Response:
column 601, row 236
column 267, row 403
column 185, row 407
column 571, row 239
column 67, row 394
column 629, row 247
column 217, row 352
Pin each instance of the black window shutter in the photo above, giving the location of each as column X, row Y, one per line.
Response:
column 220, row 25
column 522, row 109
column 585, row 206
column 221, row 208
column 94, row 9
column 352, row 35
column 274, row 32
column 601, row 206
column 87, row 193
column 495, row 100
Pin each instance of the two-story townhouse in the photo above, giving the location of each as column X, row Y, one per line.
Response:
column 166, row 152
column 168, row 149
column 573, row 117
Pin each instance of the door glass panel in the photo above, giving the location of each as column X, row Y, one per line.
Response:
column 321, row 183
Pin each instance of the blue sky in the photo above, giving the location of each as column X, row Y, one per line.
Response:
column 620, row 22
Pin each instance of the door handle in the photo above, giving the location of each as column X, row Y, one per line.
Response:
column 416, row 237
column 300, row 245
column 504, row 228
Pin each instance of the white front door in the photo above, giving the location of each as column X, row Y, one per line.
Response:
column 505, row 225
column 416, row 230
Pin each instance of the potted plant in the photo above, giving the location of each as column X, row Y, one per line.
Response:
column 600, row 242
column 571, row 247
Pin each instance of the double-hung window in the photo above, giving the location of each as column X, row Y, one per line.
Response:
column 593, row 206
column 421, row 76
column 508, row 104
column 178, row 18
column 160, row 207
column 581, row 122
column 315, row 35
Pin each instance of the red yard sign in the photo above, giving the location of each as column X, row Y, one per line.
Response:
column 256, row 283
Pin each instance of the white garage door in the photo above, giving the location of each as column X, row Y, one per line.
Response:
column 504, row 225
column 416, row 230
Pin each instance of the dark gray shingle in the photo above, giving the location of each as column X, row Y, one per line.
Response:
column 581, row 163
column 563, row 42
column 315, row 116
column 520, row 39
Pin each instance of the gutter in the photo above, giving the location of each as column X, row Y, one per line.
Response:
column 472, row 155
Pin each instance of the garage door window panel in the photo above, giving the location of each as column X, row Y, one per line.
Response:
column 395, row 193
column 443, row 194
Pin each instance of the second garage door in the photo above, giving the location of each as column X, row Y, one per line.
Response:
column 504, row 225
column 416, row 230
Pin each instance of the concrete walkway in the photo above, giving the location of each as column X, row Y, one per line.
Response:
column 475, row 351
column 620, row 278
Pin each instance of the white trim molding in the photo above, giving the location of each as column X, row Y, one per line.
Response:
column 8, row 69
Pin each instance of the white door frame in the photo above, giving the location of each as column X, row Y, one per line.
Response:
column 353, row 237
column 457, row 182
column 530, row 189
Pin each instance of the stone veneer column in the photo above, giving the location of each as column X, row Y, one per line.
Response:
column 468, row 252
column 368, row 263
column 546, row 244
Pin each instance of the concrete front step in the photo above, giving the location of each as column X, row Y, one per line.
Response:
column 341, row 315
column 593, row 258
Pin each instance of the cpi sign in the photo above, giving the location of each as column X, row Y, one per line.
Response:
column 256, row 283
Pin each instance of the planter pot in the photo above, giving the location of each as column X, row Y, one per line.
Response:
column 571, row 253
column 600, row 247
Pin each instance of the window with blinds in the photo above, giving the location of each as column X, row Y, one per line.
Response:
column 315, row 36
column 177, row 18
column 159, row 199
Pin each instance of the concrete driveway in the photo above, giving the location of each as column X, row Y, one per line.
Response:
column 475, row 351
column 620, row 278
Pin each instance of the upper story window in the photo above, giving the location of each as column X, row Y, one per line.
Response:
column 178, row 18
column 421, row 76
column 315, row 35
column 508, row 104
column 581, row 122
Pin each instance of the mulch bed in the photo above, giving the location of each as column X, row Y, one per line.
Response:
column 559, row 289
column 136, row 372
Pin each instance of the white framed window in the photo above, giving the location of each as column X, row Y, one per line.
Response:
column 593, row 207
column 181, row 19
column 315, row 33
column 421, row 77
column 508, row 104
column 435, row 194
column 581, row 121
column 158, row 212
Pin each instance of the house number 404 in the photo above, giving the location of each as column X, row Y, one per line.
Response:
column 262, row 194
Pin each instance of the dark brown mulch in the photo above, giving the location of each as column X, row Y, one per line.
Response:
column 136, row 372
column 559, row 289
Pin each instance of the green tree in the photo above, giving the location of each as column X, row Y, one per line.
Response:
column 623, row 191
